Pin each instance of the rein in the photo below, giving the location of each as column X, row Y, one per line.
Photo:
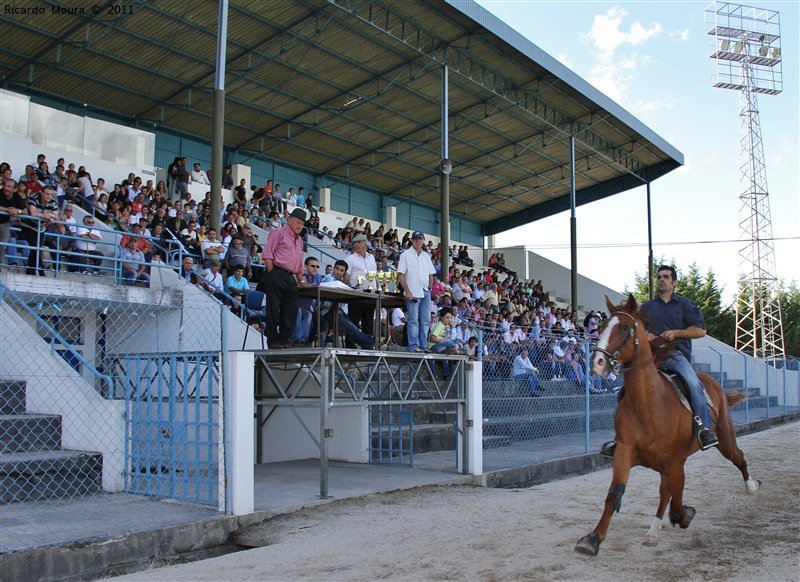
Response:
column 612, row 358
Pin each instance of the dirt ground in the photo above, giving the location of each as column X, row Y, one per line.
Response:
column 471, row 533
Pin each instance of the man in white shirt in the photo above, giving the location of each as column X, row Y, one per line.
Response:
column 212, row 281
column 525, row 371
column 397, row 326
column 359, row 263
column 85, row 245
column 199, row 175
column 212, row 248
column 415, row 277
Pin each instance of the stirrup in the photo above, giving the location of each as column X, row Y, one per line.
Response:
column 707, row 439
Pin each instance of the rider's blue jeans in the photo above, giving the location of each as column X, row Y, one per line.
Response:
column 678, row 363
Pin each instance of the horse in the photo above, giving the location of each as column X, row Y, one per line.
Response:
column 653, row 428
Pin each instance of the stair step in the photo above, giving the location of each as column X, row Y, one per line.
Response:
column 49, row 475
column 546, row 405
column 526, row 427
column 12, row 397
column 29, row 432
column 493, row 442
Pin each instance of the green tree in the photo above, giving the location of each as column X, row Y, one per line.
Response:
column 790, row 315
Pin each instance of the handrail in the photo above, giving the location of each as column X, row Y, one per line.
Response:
column 71, row 254
column 108, row 388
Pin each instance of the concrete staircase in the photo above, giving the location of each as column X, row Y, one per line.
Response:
column 511, row 414
column 755, row 398
column 33, row 466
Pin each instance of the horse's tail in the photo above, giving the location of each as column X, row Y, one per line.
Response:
column 735, row 398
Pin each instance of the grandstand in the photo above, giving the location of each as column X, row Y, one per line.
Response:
column 143, row 389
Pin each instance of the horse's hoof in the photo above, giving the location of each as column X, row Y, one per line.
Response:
column 650, row 540
column 588, row 544
column 684, row 518
column 752, row 486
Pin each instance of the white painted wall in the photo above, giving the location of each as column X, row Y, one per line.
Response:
column 90, row 422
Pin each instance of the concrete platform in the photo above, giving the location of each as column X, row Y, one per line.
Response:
column 290, row 485
column 279, row 488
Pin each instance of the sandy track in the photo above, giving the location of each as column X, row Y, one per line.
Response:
column 471, row 533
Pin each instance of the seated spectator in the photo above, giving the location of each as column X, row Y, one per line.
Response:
column 514, row 336
column 238, row 256
column 525, row 371
column 212, row 281
column 189, row 238
column 187, row 272
column 307, row 307
column 134, row 266
column 556, row 361
column 236, row 286
column 397, row 327
column 573, row 359
column 199, row 175
column 472, row 348
column 212, row 249
column 142, row 243
column 439, row 341
column 86, row 245
column 351, row 332
column 464, row 258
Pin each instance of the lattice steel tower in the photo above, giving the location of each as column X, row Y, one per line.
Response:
column 745, row 52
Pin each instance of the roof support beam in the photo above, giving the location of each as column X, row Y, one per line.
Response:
column 392, row 23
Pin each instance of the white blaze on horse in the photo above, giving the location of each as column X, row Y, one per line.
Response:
column 653, row 428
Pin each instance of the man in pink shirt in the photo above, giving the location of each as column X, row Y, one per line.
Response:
column 283, row 263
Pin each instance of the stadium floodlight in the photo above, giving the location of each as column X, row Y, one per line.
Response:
column 754, row 66
column 755, row 60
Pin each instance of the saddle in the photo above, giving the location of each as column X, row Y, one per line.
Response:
column 682, row 390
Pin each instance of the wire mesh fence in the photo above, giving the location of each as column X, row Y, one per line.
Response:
column 540, row 401
column 111, row 410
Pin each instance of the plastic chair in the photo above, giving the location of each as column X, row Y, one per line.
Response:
column 255, row 304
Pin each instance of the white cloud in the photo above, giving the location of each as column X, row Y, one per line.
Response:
column 564, row 60
column 616, row 61
column 680, row 35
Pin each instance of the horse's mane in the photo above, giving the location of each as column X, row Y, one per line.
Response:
column 662, row 349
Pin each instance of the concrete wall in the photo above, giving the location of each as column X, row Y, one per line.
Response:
column 557, row 279
column 90, row 422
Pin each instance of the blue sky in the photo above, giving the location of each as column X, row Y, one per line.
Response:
column 652, row 59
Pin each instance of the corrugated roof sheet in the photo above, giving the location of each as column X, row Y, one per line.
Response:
column 351, row 90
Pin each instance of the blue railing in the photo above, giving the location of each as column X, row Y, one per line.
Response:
column 104, row 381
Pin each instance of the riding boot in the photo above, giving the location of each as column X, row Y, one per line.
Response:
column 607, row 449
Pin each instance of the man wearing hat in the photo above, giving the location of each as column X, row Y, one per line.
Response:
column 415, row 276
column 359, row 262
column 283, row 263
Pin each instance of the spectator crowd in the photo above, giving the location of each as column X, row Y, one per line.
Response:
column 525, row 334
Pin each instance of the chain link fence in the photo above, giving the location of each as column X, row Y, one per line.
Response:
column 111, row 398
column 552, row 407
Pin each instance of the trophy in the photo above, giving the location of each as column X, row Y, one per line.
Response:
column 359, row 280
column 381, row 280
column 371, row 276
column 393, row 279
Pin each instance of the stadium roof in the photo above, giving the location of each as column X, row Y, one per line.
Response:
column 350, row 90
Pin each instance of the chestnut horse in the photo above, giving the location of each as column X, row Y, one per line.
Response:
column 653, row 428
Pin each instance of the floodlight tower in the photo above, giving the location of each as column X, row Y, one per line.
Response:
column 745, row 52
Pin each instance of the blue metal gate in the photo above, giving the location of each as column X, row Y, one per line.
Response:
column 173, row 426
column 391, row 434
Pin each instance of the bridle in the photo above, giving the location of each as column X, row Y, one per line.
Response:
column 613, row 362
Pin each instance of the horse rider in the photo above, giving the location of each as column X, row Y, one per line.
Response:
column 674, row 317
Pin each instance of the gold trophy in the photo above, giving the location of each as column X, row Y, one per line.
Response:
column 381, row 280
column 394, row 275
column 359, row 280
column 371, row 276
